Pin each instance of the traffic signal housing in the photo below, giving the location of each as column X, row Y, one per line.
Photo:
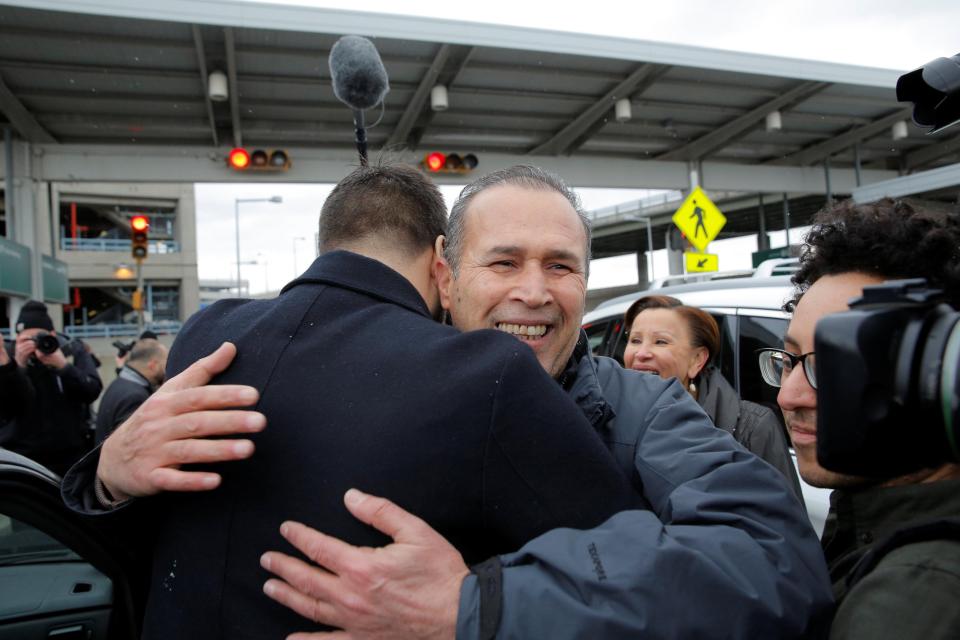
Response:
column 439, row 162
column 934, row 90
column 240, row 159
column 139, row 226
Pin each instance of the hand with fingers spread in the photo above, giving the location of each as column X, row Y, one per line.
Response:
column 172, row 428
column 408, row 589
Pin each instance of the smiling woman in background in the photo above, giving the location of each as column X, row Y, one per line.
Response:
column 673, row 340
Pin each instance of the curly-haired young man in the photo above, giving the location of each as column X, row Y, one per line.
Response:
column 911, row 590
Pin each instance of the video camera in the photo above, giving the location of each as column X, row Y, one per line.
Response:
column 887, row 369
column 888, row 383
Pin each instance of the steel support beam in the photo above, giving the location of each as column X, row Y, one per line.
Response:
column 21, row 118
column 127, row 163
column 234, row 87
column 932, row 152
column 710, row 142
column 940, row 178
column 414, row 108
column 204, row 81
column 638, row 81
column 456, row 62
column 817, row 152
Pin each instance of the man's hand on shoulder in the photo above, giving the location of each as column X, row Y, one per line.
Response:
column 408, row 589
column 172, row 428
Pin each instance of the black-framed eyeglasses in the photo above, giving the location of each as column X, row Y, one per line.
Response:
column 776, row 364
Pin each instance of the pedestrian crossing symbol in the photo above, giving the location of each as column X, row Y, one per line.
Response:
column 700, row 262
column 699, row 219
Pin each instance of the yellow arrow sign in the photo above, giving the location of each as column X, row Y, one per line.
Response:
column 699, row 219
column 697, row 262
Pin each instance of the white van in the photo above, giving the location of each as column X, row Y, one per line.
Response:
column 749, row 312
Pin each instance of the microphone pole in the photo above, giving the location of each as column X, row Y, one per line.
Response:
column 361, row 134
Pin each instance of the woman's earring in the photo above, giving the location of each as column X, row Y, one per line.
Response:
column 693, row 388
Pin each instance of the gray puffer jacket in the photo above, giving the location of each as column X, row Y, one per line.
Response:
column 719, row 553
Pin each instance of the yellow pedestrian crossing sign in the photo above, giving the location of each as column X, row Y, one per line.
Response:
column 697, row 262
column 699, row 219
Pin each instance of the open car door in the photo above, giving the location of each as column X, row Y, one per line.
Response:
column 62, row 576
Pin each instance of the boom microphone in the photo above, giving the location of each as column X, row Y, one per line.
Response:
column 358, row 75
column 359, row 81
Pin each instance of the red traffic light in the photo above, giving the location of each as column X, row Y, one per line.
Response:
column 258, row 160
column 238, row 159
column 435, row 161
column 139, row 223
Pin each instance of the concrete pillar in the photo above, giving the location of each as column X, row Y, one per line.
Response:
column 675, row 246
column 643, row 269
column 763, row 240
column 786, row 219
column 28, row 223
column 186, row 232
column 826, row 180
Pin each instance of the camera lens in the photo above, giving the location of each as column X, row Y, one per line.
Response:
column 46, row 343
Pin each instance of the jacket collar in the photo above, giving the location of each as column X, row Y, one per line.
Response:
column 579, row 379
column 719, row 399
column 132, row 375
column 364, row 275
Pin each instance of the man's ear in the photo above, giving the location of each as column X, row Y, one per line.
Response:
column 442, row 272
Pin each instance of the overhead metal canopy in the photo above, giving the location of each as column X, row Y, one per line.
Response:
column 131, row 74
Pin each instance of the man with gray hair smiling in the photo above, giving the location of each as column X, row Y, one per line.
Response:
column 724, row 549
column 720, row 549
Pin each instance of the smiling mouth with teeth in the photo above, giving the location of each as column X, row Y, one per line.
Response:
column 523, row 331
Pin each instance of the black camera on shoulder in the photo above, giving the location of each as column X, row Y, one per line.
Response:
column 48, row 343
column 123, row 348
column 888, row 384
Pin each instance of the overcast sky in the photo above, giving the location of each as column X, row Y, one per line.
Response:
column 879, row 33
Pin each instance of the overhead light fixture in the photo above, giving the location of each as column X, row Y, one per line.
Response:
column 774, row 121
column 217, row 89
column 622, row 111
column 899, row 130
column 438, row 98
column 123, row 271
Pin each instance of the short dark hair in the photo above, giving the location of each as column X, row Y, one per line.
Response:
column 704, row 331
column 890, row 239
column 144, row 350
column 520, row 175
column 396, row 203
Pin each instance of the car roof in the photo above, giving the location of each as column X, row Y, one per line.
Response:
column 754, row 293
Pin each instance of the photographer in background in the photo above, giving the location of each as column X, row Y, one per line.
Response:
column 139, row 377
column 124, row 349
column 892, row 544
column 44, row 399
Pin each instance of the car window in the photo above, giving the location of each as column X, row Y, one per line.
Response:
column 21, row 544
column 596, row 336
column 726, row 359
column 757, row 333
column 618, row 341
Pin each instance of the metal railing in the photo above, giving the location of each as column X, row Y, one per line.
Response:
column 636, row 207
column 160, row 327
column 121, row 330
column 116, row 244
